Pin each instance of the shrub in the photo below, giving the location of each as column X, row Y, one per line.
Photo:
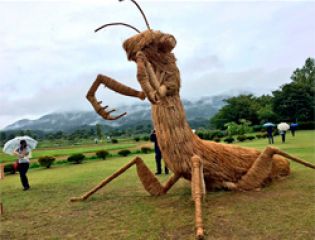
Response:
column 251, row 138
column 46, row 161
column 209, row 134
column 114, row 140
column 146, row 138
column 124, row 152
column 8, row 168
column 217, row 139
column 146, row 149
column 76, row 158
column 241, row 138
column 229, row 140
column 137, row 139
column 102, row 154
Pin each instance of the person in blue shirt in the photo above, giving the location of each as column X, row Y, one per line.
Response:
column 293, row 128
column 269, row 133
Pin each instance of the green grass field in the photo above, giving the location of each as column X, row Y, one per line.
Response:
column 124, row 210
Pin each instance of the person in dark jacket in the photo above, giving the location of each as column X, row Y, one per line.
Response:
column 282, row 133
column 293, row 128
column 158, row 155
column 269, row 133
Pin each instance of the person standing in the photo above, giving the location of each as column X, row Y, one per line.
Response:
column 269, row 133
column 293, row 128
column 23, row 152
column 158, row 155
column 282, row 133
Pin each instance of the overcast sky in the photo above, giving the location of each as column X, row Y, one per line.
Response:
column 50, row 54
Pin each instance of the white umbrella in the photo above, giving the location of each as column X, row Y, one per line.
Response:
column 283, row 126
column 11, row 145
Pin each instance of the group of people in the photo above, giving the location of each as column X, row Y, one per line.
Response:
column 281, row 132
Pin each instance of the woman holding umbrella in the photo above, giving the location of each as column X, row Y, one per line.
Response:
column 21, row 147
column 22, row 152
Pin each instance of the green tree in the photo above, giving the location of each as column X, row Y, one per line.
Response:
column 295, row 101
column 265, row 111
column 237, row 108
column 231, row 128
column 238, row 129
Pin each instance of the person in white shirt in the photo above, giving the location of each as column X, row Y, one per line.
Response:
column 23, row 152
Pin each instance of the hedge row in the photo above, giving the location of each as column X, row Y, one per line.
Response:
column 47, row 161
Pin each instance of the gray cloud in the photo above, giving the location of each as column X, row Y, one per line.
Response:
column 50, row 54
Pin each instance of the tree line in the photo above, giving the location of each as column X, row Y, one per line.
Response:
column 292, row 102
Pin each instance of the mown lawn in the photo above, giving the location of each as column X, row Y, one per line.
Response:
column 124, row 210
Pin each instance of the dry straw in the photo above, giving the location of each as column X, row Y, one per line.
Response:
column 208, row 165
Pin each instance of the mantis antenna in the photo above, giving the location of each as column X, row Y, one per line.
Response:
column 145, row 19
column 125, row 24
column 115, row 24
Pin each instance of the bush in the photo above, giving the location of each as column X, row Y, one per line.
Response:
column 217, row 139
column 46, row 161
column 229, row 140
column 209, row 134
column 114, row 140
column 241, row 138
column 124, row 152
column 146, row 138
column 250, row 138
column 8, row 168
column 102, row 154
column 137, row 139
column 76, row 158
column 146, row 149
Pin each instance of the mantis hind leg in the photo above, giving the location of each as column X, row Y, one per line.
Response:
column 264, row 168
column 149, row 181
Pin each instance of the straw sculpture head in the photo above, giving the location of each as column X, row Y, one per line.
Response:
column 208, row 165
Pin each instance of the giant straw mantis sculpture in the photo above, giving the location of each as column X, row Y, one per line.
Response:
column 208, row 165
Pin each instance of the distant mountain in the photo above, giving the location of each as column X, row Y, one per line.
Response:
column 198, row 114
